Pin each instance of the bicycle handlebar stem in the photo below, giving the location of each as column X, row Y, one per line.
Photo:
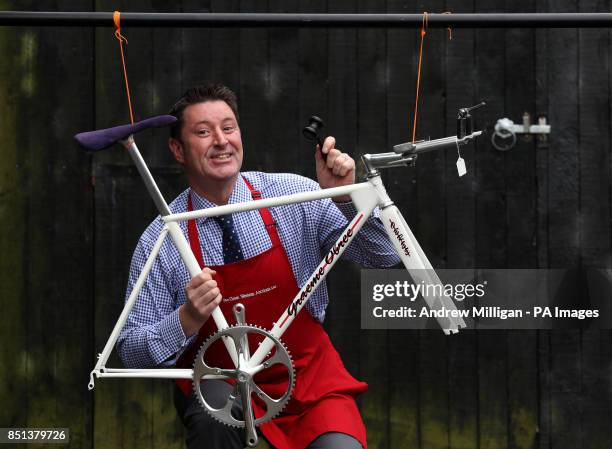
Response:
column 406, row 153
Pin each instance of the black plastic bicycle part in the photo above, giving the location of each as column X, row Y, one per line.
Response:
column 311, row 132
column 464, row 121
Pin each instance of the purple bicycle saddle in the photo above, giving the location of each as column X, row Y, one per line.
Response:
column 104, row 138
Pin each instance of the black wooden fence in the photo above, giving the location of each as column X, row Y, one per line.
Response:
column 69, row 221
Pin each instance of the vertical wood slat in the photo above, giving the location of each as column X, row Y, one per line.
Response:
column 594, row 150
column 165, row 58
column 13, row 276
column 71, row 222
column 129, row 413
column 491, row 250
column 541, row 50
column 403, row 346
column 45, row 209
column 430, row 227
column 564, row 234
column 342, row 123
column 521, row 219
column 255, row 106
column 371, row 137
column 282, row 91
column 461, row 230
column 313, row 75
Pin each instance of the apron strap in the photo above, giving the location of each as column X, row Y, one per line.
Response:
column 192, row 231
column 266, row 216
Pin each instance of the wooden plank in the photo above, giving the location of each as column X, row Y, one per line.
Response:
column 125, row 413
column 594, row 117
column 564, row 234
column 341, row 66
column 521, row 222
column 542, row 154
column 430, row 230
column 282, row 92
column 255, row 104
column 123, row 416
column 596, row 399
column 461, row 192
column 312, row 74
column 403, row 345
column 69, row 226
column 161, row 87
column 13, row 268
column 463, row 390
column 123, row 210
column 594, row 147
column 52, row 183
column 41, row 316
column 167, row 430
column 460, row 231
column 371, row 119
column 522, row 389
column 544, row 396
column 45, row 197
column 565, row 401
column 196, row 47
column 491, row 243
column 225, row 48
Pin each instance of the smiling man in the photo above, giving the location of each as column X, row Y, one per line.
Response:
column 271, row 252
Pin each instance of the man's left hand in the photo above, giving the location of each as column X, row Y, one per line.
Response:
column 338, row 170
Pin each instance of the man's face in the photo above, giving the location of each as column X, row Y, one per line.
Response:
column 210, row 146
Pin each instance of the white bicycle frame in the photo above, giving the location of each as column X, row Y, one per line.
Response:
column 366, row 196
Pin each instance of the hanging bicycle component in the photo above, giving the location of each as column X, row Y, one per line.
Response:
column 407, row 153
column 243, row 376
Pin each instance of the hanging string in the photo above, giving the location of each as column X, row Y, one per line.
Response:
column 122, row 39
column 423, row 33
column 416, row 103
column 450, row 30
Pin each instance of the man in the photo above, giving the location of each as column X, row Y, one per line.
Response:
column 271, row 251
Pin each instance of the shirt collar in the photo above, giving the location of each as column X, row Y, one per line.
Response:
column 240, row 194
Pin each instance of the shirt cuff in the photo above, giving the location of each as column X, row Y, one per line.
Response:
column 172, row 334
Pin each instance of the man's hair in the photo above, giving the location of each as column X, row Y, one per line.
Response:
column 200, row 94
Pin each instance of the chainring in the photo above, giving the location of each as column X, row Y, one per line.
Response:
column 243, row 375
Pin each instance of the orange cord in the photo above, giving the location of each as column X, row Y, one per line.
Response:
column 450, row 30
column 122, row 39
column 423, row 33
column 416, row 103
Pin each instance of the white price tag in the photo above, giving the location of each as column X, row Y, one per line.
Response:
column 461, row 170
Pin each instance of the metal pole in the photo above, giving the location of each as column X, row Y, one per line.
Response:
column 249, row 20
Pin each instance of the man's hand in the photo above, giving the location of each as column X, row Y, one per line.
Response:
column 203, row 296
column 338, row 170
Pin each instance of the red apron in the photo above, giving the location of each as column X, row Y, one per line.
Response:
column 323, row 397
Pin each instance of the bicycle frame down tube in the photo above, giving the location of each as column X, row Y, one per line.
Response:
column 418, row 266
column 302, row 297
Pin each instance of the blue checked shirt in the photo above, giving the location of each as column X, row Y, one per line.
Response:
column 153, row 336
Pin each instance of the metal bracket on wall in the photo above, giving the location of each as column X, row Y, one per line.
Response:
column 505, row 131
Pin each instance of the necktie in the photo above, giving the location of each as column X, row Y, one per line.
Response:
column 231, row 246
